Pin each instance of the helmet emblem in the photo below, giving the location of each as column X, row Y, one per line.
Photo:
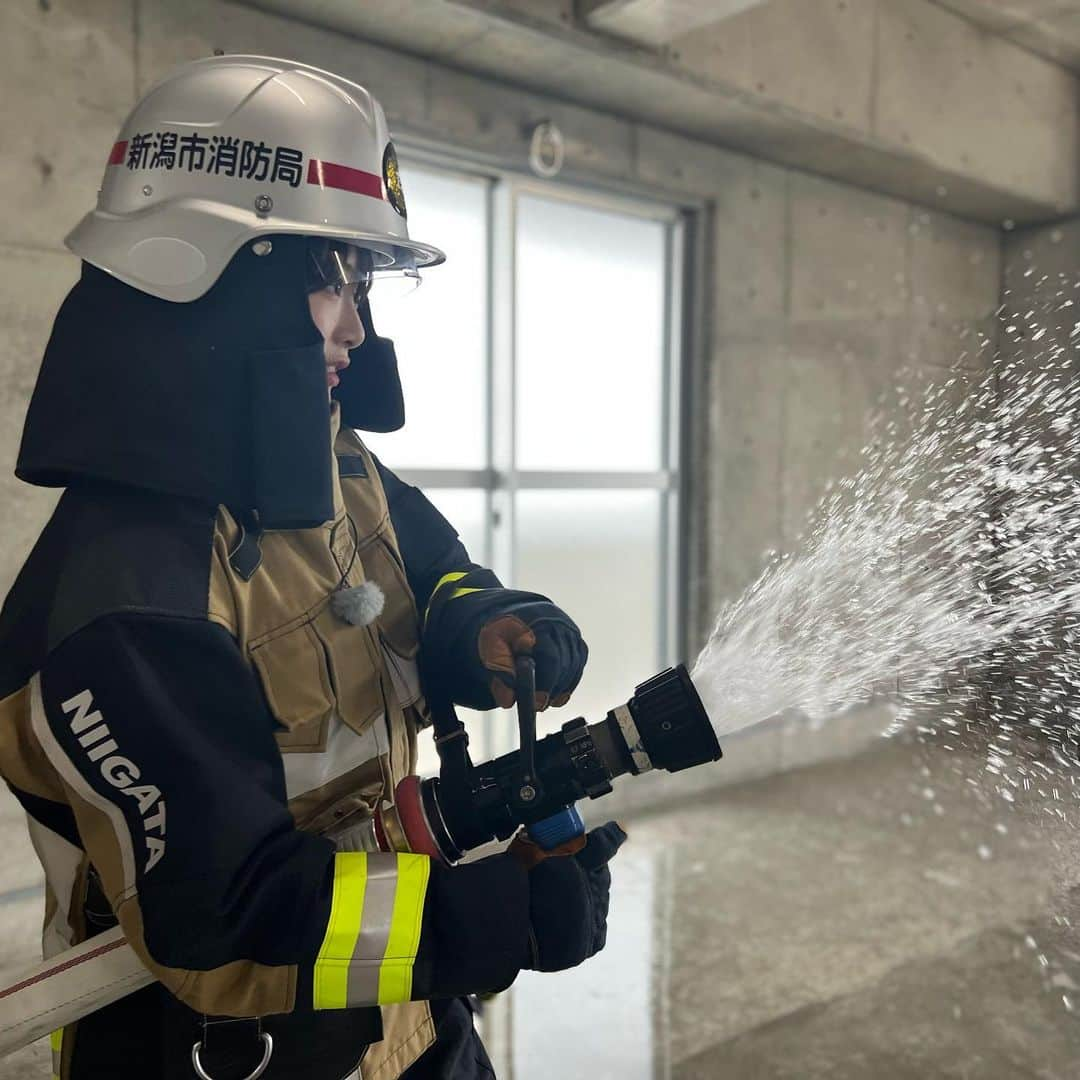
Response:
column 395, row 196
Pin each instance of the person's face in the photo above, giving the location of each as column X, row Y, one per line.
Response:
column 334, row 311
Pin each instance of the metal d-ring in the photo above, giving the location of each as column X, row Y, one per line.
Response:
column 268, row 1050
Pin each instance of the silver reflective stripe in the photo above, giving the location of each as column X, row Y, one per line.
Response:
column 633, row 738
column 374, row 936
column 71, row 775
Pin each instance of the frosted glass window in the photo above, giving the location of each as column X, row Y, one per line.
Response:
column 578, row 389
column 440, row 329
column 427, row 757
column 597, row 554
column 590, row 289
column 466, row 510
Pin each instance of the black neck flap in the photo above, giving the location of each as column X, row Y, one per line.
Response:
column 222, row 399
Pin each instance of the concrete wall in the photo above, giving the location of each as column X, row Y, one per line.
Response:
column 1040, row 334
column 910, row 75
column 817, row 293
column 1041, row 274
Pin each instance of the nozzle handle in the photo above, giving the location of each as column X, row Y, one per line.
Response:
column 525, row 692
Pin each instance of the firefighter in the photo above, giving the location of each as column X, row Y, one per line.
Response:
column 215, row 657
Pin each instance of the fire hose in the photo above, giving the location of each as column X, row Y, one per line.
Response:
column 663, row 726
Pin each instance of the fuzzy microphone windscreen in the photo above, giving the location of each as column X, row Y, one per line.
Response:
column 360, row 605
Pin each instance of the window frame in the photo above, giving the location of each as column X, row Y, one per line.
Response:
column 501, row 479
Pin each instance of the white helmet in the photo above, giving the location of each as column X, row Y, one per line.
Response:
column 229, row 148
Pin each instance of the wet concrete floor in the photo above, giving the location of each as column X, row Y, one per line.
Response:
column 885, row 916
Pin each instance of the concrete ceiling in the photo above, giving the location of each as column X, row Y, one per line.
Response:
column 908, row 98
column 1050, row 28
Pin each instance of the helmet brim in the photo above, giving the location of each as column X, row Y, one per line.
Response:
column 194, row 240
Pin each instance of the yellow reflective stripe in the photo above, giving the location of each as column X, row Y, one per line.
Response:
column 449, row 579
column 395, row 975
column 446, row 579
column 457, row 575
column 464, row 592
column 360, row 964
column 331, row 981
column 56, row 1045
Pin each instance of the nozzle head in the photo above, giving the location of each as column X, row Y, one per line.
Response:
column 674, row 727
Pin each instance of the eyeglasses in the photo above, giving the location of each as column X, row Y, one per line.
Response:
column 328, row 268
column 337, row 265
column 360, row 289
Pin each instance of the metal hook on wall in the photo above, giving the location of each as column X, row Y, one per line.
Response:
column 547, row 149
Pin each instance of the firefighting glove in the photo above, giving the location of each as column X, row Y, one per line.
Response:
column 568, row 902
column 474, row 628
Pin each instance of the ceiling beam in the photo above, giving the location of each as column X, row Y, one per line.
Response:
column 657, row 22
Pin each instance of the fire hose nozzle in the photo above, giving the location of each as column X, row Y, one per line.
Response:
column 663, row 726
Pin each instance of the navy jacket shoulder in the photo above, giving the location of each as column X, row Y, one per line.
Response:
column 105, row 551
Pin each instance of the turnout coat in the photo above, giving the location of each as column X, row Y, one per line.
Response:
column 194, row 733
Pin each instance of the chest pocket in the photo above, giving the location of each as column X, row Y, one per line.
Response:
column 398, row 627
column 315, row 668
column 398, row 623
column 317, row 664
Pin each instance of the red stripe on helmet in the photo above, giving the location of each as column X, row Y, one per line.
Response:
column 119, row 150
column 345, row 178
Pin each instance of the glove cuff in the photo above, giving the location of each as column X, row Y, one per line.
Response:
column 476, row 928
